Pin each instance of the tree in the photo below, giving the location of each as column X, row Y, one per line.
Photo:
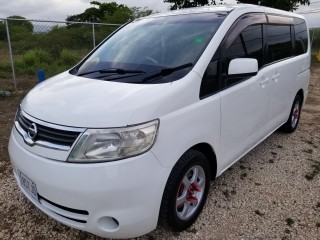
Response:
column 25, row 25
column 95, row 13
column 109, row 12
column 3, row 32
column 138, row 12
column 178, row 4
column 19, row 29
column 288, row 5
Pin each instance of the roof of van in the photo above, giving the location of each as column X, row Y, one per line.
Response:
column 215, row 8
column 223, row 8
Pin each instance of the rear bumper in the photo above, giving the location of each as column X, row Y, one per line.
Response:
column 90, row 196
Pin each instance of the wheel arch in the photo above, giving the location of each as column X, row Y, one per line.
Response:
column 301, row 94
column 208, row 151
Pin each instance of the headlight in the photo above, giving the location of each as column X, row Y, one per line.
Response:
column 99, row 145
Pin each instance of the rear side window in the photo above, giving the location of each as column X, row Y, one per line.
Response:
column 279, row 42
column 301, row 36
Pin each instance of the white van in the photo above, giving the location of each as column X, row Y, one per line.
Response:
column 135, row 132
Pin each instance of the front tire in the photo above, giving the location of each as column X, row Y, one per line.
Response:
column 291, row 125
column 186, row 191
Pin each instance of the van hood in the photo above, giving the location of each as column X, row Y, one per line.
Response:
column 75, row 101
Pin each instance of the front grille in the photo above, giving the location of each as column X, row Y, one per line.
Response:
column 47, row 134
column 70, row 214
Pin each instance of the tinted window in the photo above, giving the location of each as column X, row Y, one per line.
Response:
column 247, row 45
column 301, row 36
column 279, row 42
column 210, row 80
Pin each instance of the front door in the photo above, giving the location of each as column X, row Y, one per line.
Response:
column 244, row 102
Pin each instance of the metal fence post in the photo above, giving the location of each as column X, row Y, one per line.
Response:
column 93, row 36
column 313, row 30
column 11, row 55
column 43, row 27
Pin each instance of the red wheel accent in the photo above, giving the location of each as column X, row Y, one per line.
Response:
column 195, row 187
column 192, row 199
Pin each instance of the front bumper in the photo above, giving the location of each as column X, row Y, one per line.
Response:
column 119, row 199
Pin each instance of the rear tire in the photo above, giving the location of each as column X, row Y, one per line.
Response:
column 291, row 125
column 186, row 191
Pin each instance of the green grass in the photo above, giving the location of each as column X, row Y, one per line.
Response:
column 314, row 58
column 315, row 37
column 33, row 60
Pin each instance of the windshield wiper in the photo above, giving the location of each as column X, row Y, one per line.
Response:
column 166, row 71
column 112, row 70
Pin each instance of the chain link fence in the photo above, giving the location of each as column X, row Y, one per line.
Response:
column 27, row 46
column 315, row 44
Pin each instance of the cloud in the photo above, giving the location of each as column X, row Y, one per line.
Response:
column 156, row 5
column 312, row 18
column 60, row 9
column 39, row 9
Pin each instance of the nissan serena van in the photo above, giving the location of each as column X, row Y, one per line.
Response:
column 133, row 134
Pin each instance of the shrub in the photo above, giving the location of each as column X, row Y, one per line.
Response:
column 32, row 61
column 68, row 58
column 5, row 70
column 36, row 57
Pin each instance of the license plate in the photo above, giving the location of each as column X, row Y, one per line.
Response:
column 28, row 185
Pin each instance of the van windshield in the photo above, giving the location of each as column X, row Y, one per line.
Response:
column 152, row 50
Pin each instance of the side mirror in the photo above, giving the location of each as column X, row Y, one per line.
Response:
column 243, row 66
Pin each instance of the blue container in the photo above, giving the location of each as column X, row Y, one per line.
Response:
column 41, row 76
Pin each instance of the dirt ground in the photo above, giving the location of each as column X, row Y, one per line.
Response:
column 272, row 193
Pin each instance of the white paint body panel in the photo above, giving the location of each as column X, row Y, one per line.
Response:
column 117, row 189
column 232, row 122
column 70, row 100
column 243, row 111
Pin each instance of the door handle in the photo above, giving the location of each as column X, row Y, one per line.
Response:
column 264, row 81
column 275, row 78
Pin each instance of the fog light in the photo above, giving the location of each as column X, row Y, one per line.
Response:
column 108, row 224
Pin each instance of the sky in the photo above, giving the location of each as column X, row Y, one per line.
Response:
column 60, row 9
